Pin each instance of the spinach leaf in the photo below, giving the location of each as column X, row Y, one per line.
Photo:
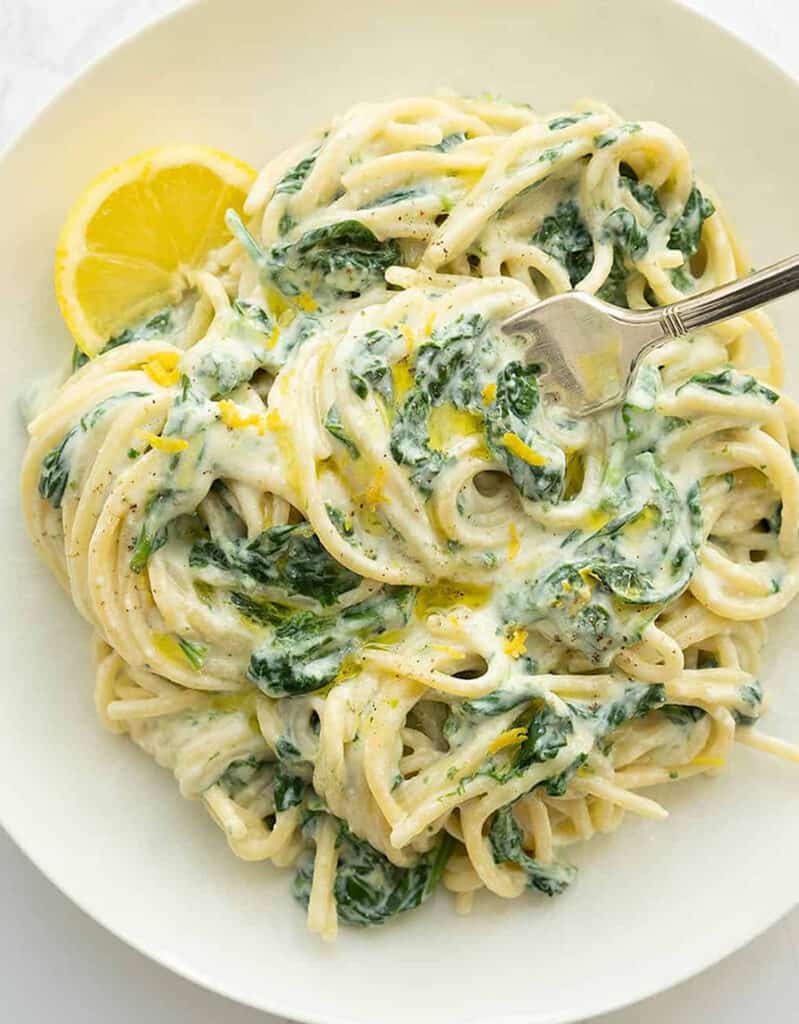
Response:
column 511, row 414
column 505, row 838
column 448, row 142
column 193, row 652
column 445, row 371
column 563, row 607
column 293, row 180
column 289, row 789
column 369, row 889
column 516, row 690
column 614, row 289
column 154, row 327
column 152, row 535
column 607, row 138
column 647, row 197
column 638, row 412
column 55, row 468
column 734, row 383
column 341, row 521
column 305, row 651
column 566, row 120
column 630, row 242
column 397, row 195
column 369, row 364
column 752, row 695
column 620, row 576
column 289, row 558
column 333, row 425
column 558, row 784
column 636, row 702
column 287, row 751
column 687, row 231
column 239, row 774
column 564, row 236
column 444, row 368
column 683, row 715
column 628, row 237
column 262, row 613
column 54, row 472
column 409, row 442
column 346, row 255
column 547, row 733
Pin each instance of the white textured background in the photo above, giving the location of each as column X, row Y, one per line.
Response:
column 56, row 964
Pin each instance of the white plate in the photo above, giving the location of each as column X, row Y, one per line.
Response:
column 655, row 902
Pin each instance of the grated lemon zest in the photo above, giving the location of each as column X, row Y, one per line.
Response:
column 166, row 444
column 408, row 335
column 517, row 447
column 234, row 420
column 515, row 645
column 489, row 393
column 511, row 738
column 307, row 303
column 163, row 369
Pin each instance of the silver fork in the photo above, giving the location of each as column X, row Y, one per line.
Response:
column 588, row 348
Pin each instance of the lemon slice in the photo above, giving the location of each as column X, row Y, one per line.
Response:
column 138, row 228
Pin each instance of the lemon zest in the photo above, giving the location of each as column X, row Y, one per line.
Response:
column 234, row 420
column 489, row 393
column 307, row 303
column 407, row 332
column 166, row 444
column 515, row 645
column 510, row 738
column 273, row 337
column 517, row 447
column 163, row 369
column 428, row 327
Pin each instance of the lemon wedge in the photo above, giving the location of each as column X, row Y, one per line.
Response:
column 138, row 228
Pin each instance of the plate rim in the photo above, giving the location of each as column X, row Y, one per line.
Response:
column 636, row 993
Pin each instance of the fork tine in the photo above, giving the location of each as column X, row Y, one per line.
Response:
column 556, row 370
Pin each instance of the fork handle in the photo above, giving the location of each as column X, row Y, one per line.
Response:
column 737, row 297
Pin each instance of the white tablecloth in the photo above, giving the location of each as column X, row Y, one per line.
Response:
column 57, row 964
